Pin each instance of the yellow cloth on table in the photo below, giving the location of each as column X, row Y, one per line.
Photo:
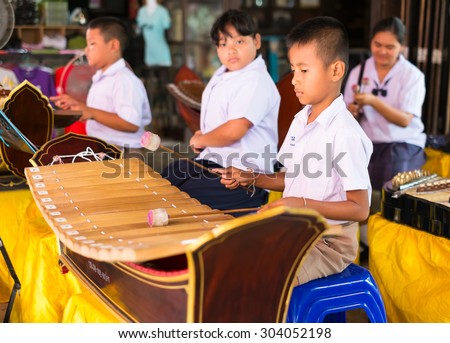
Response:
column 412, row 270
column 86, row 308
column 13, row 206
column 45, row 290
column 46, row 295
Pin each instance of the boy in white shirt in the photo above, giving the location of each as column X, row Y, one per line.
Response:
column 117, row 107
column 325, row 152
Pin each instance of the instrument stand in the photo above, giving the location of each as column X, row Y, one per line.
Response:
column 17, row 285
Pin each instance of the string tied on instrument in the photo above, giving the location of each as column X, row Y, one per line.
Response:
column 252, row 187
column 95, row 156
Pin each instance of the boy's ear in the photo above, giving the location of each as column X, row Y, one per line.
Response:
column 258, row 41
column 115, row 43
column 337, row 70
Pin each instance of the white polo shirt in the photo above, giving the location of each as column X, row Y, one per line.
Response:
column 120, row 91
column 246, row 93
column 326, row 158
column 405, row 90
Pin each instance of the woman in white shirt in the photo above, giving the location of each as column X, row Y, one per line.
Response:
column 388, row 104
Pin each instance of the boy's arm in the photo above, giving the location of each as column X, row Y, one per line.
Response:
column 355, row 208
column 110, row 119
column 224, row 135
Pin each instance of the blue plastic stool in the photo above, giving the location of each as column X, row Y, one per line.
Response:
column 326, row 299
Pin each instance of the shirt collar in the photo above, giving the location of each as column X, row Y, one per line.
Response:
column 112, row 69
column 257, row 63
column 326, row 116
column 398, row 66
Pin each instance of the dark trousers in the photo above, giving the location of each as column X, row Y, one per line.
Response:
column 206, row 187
column 388, row 159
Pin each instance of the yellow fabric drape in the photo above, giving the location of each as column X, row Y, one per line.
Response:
column 47, row 295
column 412, row 267
column 86, row 308
column 412, row 270
column 437, row 162
column 13, row 206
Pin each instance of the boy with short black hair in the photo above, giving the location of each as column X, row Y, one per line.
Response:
column 325, row 151
column 117, row 107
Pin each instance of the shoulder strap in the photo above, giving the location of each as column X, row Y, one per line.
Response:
column 361, row 72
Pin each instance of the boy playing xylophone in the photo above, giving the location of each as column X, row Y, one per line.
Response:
column 325, row 152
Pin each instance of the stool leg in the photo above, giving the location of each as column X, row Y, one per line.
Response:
column 316, row 313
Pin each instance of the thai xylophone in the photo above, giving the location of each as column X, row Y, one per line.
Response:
column 204, row 266
column 423, row 202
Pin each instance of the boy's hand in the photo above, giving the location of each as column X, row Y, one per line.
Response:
column 233, row 177
column 66, row 102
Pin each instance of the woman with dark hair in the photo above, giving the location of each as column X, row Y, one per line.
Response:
column 389, row 104
column 387, row 98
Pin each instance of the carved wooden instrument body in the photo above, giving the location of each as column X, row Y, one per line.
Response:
column 205, row 266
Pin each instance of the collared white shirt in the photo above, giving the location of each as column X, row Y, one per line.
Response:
column 405, row 90
column 246, row 93
column 327, row 157
column 120, row 91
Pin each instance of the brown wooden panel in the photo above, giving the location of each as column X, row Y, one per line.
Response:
column 29, row 110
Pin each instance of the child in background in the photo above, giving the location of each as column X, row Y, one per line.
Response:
column 326, row 153
column 117, row 107
column 238, row 123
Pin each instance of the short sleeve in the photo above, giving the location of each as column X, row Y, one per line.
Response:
column 412, row 95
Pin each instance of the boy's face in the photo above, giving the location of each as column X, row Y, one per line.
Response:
column 98, row 52
column 237, row 51
column 313, row 82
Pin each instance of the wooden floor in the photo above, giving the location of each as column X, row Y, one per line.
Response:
column 357, row 316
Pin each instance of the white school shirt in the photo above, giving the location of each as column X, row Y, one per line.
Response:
column 120, row 91
column 405, row 86
column 327, row 157
column 246, row 93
